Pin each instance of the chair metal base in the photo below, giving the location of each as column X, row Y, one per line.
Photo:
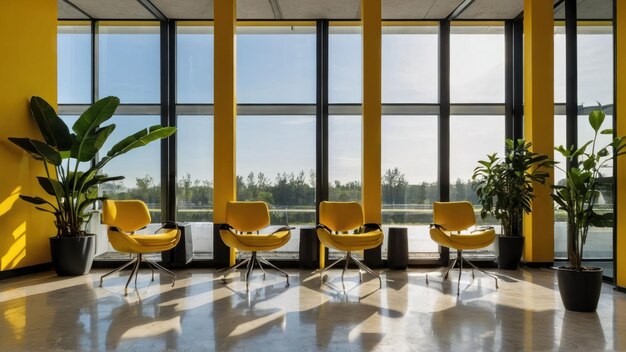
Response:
column 362, row 267
column 460, row 259
column 254, row 259
column 134, row 272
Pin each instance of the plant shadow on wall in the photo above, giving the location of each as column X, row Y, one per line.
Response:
column 504, row 187
column 578, row 197
column 73, row 175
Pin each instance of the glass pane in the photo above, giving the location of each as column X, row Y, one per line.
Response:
column 477, row 64
column 560, row 218
column 276, row 64
column 129, row 62
column 276, row 164
column 344, row 158
column 194, row 64
column 345, row 65
column 559, row 64
column 409, row 178
column 194, row 191
column 471, row 139
column 140, row 167
column 595, row 86
column 74, row 64
column 410, row 64
column 595, row 65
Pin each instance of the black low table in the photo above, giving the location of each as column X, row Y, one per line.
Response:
column 398, row 248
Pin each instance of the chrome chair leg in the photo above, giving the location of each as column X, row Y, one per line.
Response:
column 233, row 268
column 345, row 267
column 447, row 270
column 365, row 268
column 151, row 267
column 327, row 268
column 258, row 261
column 482, row 271
column 249, row 269
column 161, row 268
column 264, row 261
column 458, row 286
column 132, row 261
column 134, row 272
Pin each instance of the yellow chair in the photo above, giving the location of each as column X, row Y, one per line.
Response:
column 452, row 220
column 123, row 218
column 244, row 220
column 337, row 220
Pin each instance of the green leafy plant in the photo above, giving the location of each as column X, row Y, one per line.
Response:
column 64, row 153
column 579, row 194
column 504, row 186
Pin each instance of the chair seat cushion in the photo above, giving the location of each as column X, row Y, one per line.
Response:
column 127, row 243
column 474, row 240
column 255, row 242
column 350, row 242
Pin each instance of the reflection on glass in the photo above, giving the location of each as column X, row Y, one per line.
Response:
column 194, row 64
column 344, row 157
column 409, row 177
column 477, row 64
column 276, row 64
column 276, row 164
column 345, row 64
column 74, row 64
column 410, row 64
column 194, row 188
column 129, row 64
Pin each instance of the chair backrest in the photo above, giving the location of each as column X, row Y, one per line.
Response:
column 341, row 216
column 454, row 216
column 247, row 216
column 127, row 215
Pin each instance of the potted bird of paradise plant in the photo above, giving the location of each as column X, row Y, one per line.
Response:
column 73, row 174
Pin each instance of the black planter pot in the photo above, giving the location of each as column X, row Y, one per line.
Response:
column 72, row 256
column 580, row 290
column 509, row 251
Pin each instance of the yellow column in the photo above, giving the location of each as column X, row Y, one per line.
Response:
column 371, row 21
column 225, row 109
column 620, row 18
column 539, row 122
column 28, row 66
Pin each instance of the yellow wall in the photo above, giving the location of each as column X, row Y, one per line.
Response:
column 372, row 38
column 28, row 67
column 539, row 122
column 224, row 174
column 620, row 17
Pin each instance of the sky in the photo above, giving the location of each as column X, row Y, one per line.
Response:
column 278, row 66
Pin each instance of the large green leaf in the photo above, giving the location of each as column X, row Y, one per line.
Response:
column 38, row 149
column 140, row 139
column 596, row 118
column 51, row 186
column 53, row 129
column 91, row 144
column 95, row 115
column 100, row 179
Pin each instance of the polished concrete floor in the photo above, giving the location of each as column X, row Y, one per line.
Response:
column 44, row 312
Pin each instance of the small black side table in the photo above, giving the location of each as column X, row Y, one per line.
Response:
column 309, row 248
column 398, row 248
column 181, row 255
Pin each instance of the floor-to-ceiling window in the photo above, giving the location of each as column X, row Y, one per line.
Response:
column 276, row 129
column 410, row 97
column 195, row 153
column 477, row 121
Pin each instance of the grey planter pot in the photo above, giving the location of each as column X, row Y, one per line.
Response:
column 72, row 256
